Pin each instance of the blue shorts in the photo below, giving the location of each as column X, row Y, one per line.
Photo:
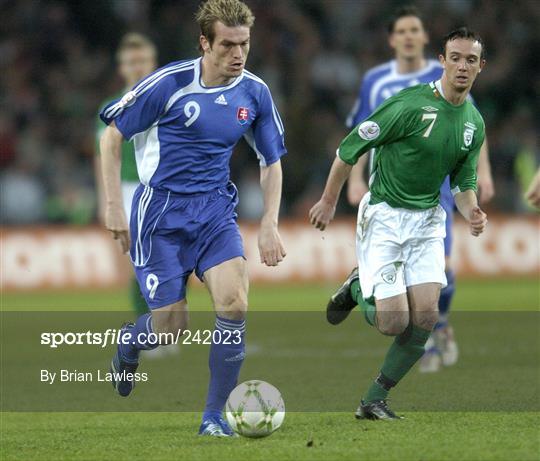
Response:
column 173, row 235
column 447, row 202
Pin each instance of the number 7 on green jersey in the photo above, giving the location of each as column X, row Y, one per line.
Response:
column 431, row 117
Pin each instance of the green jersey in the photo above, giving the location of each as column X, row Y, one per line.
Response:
column 128, row 172
column 419, row 139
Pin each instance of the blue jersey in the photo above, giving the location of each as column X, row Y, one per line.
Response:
column 184, row 133
column 384, row 81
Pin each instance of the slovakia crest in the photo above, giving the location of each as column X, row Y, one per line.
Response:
column 468, row 136
column 242, row 115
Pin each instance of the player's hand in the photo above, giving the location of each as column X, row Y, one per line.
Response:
column 321, row 214
column 486, row 188
column 477, row 221
column 533, row 194
column 116, row 222
column 356, row 189
column 271, row 248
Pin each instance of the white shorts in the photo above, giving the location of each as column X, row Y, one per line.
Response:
column 128, row 190
column 398, row 248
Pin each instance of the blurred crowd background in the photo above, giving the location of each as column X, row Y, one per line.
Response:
column 57, row 66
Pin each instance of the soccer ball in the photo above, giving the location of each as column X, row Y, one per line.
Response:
column 255, row 409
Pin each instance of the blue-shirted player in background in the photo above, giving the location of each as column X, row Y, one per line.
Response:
column 408, row 38
column 185, row 120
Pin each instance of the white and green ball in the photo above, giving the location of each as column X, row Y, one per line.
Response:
column 255, row 409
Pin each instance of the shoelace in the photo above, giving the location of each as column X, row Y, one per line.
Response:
column 224, row 425
column 384, row 404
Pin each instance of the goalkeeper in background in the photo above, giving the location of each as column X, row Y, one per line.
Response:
column 136, row 58
column 421, row 135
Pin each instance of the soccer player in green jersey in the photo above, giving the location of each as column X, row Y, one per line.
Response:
column 136, row 58
column 421, row 135
column 407, row 36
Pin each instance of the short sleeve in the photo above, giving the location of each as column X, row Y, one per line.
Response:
column 361, row 109
column 386, row 125
column 464, row 176
column 266, row 135
column 141, row 107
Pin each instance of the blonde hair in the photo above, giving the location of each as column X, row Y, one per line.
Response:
column 135, row 41
column 231, row 13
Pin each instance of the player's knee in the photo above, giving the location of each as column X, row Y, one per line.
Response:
column 426, row 319
column 392, row 323
column 233, row 304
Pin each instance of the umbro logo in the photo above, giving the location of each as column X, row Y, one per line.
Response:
column 221, row 100
column 430, row 109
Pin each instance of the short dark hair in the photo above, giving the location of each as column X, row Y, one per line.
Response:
column 403, row 12
column 467, row 34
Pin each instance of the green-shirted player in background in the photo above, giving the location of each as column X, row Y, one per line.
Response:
column 136, row 57
column 421, row 135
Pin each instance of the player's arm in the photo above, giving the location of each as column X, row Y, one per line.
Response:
column 323, row 211
column 463, row 182
column 111, row 162
column 467, row 204
column 356, row 185
column 387, row 124
column 97, row 174
column 134, row 113
column 267, row 138
column 270, row 245
column 485, row 179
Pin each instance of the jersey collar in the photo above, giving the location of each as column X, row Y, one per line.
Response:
column 200, row 88
column 437, row 89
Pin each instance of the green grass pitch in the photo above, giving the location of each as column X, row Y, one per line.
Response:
column 484, row 408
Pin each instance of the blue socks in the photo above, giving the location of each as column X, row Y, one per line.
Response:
column 447, row 293
column 130, row 352
column 226, row 357
column 225, row 361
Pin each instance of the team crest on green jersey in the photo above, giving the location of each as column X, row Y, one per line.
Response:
column 468, row 136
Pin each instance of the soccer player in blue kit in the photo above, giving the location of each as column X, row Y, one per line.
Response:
column 408, row 38
column 185, row 120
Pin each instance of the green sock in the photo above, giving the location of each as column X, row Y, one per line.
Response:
column 137, row 301
column 356, row 292
column 367, row 306
column 375, row 392
column 404, row 352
